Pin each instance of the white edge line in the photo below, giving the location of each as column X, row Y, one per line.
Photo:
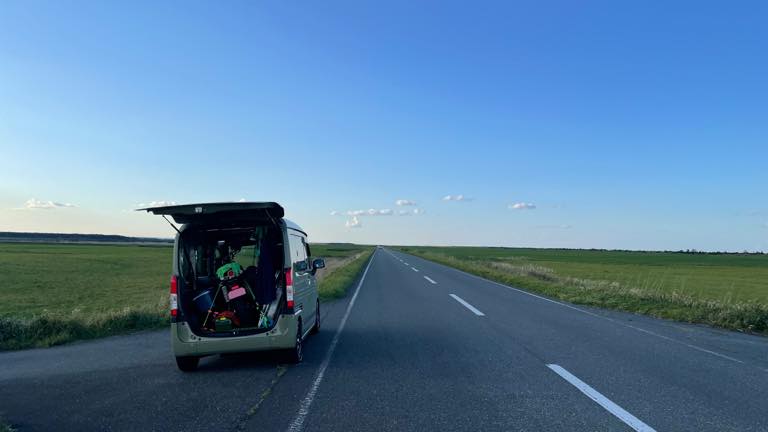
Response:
column 467, row 305
column 429, row 279
column 632, row 421
column 298, row 422
column 723, row 356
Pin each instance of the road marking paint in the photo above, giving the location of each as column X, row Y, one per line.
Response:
column 427, row 278
column 603, row 401
column 405, row 263
column 414, row 269
column 697, row 348
column 298, row 422
column 467, row 305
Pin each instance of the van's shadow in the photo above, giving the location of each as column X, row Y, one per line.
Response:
column 265, row 360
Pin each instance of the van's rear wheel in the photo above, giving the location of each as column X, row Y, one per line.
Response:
column 316, row 327
column 187, row 364
column 296, row 354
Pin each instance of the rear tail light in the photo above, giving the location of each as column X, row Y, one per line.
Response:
column 289, row 289
column 174, row 298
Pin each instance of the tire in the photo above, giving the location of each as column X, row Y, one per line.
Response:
column 187, row 364
column 296, row 354
column 316, row 327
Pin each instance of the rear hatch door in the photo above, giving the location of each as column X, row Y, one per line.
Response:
column 223, row 212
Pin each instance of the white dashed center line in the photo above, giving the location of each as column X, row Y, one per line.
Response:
column 414, row 269
column 467, row 305
column 430, row 280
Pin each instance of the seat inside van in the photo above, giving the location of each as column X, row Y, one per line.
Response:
column 231, row 278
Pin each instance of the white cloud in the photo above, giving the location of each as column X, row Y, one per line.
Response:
column 456, row 198
column 241, row 200
column 404, row 202
column 33, row 204
column 413, row 212
column 369, row 212
column 335, row 213
column 522, row 206
column 353, row 223
column 156, row 204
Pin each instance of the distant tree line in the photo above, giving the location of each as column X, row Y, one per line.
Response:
column 681, row 251
column 74, row 238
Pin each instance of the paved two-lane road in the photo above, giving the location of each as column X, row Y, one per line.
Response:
column 416, row 346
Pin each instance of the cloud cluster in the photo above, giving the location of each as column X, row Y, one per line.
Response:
column 522, row 206
column 34, row 204
column 369, row 212
column 353, row 220
column 414, row 212
column 156, row 204
column 459, row 197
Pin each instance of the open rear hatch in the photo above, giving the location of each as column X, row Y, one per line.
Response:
column 208, row 213
column 230, row 260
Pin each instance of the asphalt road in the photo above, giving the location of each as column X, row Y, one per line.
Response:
column 416, row 346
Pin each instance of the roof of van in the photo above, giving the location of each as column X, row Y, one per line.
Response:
column 293, row 225
column 210, row 212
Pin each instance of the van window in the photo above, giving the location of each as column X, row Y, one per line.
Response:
column 247, row 256
column 298, row 251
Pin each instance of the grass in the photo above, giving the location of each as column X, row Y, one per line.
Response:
column 729, row 291
column 335, row 285
column 5, row 427
column 57, row 293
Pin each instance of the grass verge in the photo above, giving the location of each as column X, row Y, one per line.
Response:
column 335, row 285
column 48, row 329
column 742, row 315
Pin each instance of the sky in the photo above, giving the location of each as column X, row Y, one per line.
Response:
column 622, row 125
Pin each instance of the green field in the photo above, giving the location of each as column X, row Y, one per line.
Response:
column 55, row 293
column 728, row 290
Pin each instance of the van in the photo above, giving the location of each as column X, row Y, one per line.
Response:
column 243, row 280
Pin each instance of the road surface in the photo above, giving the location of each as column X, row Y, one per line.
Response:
column 415, row 346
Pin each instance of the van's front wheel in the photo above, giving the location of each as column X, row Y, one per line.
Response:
column 187, row 364
column 296, row 354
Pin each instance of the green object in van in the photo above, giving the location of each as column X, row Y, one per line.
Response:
column 229, row 271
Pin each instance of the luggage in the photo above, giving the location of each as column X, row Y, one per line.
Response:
column 204, row 300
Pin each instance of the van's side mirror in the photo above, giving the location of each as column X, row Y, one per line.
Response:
column 300, row 266
column 318, row 263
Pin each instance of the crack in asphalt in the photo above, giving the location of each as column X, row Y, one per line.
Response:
column 280, row 371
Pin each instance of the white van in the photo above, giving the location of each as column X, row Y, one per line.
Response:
column 243, row 280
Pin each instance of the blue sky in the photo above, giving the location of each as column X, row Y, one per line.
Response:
column 627, row 125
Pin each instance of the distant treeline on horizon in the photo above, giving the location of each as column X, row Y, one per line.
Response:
column 76, row 238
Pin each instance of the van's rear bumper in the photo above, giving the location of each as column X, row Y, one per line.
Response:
column 186, row 343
